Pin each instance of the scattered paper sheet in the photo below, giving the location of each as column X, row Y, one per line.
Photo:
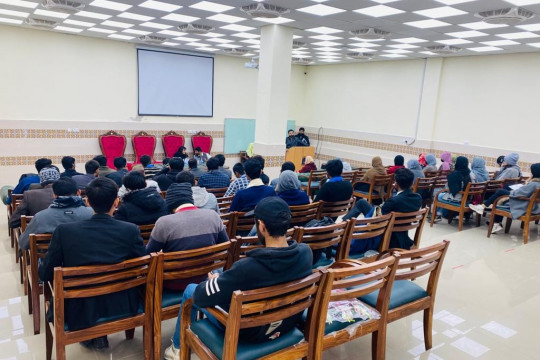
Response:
column 470, row 347
column 499, row 329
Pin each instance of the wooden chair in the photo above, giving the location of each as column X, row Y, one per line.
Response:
column 163, row 194
column 247, row 243
column 407, row 297
column 182, row 266
column 23, row 254
column 39, row 244
column 256, row 308
column 143, row 144
column 369, row 229
column 431, row 174
column 243, row 224
column 146, row 230
column 9, row 211
column 386, row 181
column 314, row 182
column 349, row 176
column 511, row 181
column 16, row 200
column 203, row 141
column 335, row 209
column 411, row 221
column 218, row 192
column 229, row 220
column 86, row 281
column 526, row 219
column 224, row 203
column 171, row 142
column 112, row 145
column 302, row 214
column 425, row 186
column 322, row 237
column 462, row 207
column 492, row 186
column 350, row 280
column 440, row 182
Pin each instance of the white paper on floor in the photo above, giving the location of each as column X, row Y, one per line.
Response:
column 441, row 314
column 470, row 347
column 498, row 329
column 3, row 312
column 15, row 300
column 421, row 348
column 451, row 333
column 451, row 319
column 431, row 356
column 22, row 346
column 419, row 333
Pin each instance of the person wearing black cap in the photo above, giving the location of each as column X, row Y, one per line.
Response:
column 279, row 261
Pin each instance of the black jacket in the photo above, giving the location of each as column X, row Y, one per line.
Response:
column 142, row 207
column 303, row 138
column 406, row 201
column 99, row 240
column 333, row 191
column 69, row 173
column 117, row 176
column 165, row 180
column 261, row 268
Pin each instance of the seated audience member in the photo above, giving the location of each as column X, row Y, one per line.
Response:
column 241, row 182
column 377, row 169
column 431, row 163
column 457, row 181
column 346, row 164
column 446, row 159
column 36, row 200
column 517, row 206
column 104, row 170
column 141, row 205
column 247, row 199
column 149, row 184
column 182, row 154
column 68, row 163
column 214, row 179
column 291, row 140
column 194, row 169
column 405, row 201
column 202, row 198
column 335, row 189
column 38, row 185
column 289, row 189
column 302, row 138
column 416, row 169
column 149, row 169
column 164, row 166
column 287, row 165
column 222, row 167
column 121, row 171
column 176, row 165
column 479, row 172
column 500, row 161
column 66, row 207
column 399, row 162
column 98, row 240
column 92, row 170
column 509, row 167
column 265, row 179
column 308, row 166
column 279, row 261
column 422, row 160
column 200, row 156
column 28, row 179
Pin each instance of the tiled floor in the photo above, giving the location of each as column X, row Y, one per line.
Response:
column 486, row 307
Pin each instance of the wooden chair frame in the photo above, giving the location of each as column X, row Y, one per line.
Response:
column 143, row 134
column 9, row 211
column 23, row 255
column 422, row 184
column 229, row 220
column 302, row 214
column 16, row 200
column 335, row 209
column 111, row 133
column 171, row 134
column 367, row 228
column 411, row 221
column 39, row 244
column 243, row 223
column 314, row 175
column 247, row 243
column 146, row 231
column 322, row 237
column 202, row 134
column 381, row 180
column 218, row 192
column 224, row 203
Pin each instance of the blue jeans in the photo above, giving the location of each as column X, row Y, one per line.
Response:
column 361, row 207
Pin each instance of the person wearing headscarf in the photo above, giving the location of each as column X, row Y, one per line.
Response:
column 446, row 158
column 509, row 168
column 457, row 181
column 422, row 160
column 431, row 163
column 416, row 169
column 309, row 165
column 399, row 162
column 346, row 165
column 288, row 188
column 479, row 172
column 377, row 169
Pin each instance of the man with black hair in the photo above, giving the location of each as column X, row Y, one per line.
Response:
column 68, row 163
column 334, row 189
column 176, row 165
column 265, row 179
column 222, row 167
column 287, row 165
column 194, row 169
column 121, row 171
column 98, row 240
column 66, row 207
column 247, row 199
column 291, row 140
column 302, row 138
column 279, row 261
column 28, row 179
column 202, row 198
column 92, row 170
column 241, row 182
column 149, row 169
column 104, row 170
column 214, row 179
column 200, row 156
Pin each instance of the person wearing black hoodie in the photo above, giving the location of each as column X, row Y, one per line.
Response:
column 141, row 205
column 176, row 165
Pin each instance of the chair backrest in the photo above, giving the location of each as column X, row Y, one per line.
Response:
column 16, row 200
column 229, row 220
column 143, row 144
column 444, row 172
column 302, row 214
column 335, row 209
column 474, row 189
column 247, row 243
column 512, row 181
column 218, row 192
column 411, row 221
column 243, row 223
column 440, row 182
column 203, row 141
column 224, row 203
column 349, row 176
column 171, row 143
column 112, row 145
column 25, row 219
column 494, row 185
column 535, row 200
column 368, row 228
column 146, row 230
column 315, row 176
column 39, row 245
column 431, row 174
column 321, row 237
column 163, row 194
column 424, row 184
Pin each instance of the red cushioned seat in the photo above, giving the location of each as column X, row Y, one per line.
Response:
column 143, row 144
column 112, row 146
column 171, row 143
column 203, row 141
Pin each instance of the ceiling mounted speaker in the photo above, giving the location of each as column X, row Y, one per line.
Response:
column 298, row 44
column 65, row 6
column 507, row 16
column 261, row 10
column 360, row 56
column 195, row 29
column 237, row 52
column 300, row 61
column 443, row 49
column 369, row 34
column 40, row 23
column 152, row 39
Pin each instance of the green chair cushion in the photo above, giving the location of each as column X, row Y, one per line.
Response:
column 403, row 292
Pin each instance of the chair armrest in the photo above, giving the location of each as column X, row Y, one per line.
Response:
column 436, row 196
column 501, row 199
column 221, row 315
column 361, row 182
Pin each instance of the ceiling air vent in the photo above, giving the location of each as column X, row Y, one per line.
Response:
column 65, row 6
column 152, row 39
column 41, row 23
column 300, row 61
column 360, row 56
column 507, row 16
column 369, row 34
column 261, row 10
column 195, row 29
column 237, row 52
column 298, row 44
column 443, row 49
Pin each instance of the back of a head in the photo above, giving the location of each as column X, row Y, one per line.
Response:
column 101, row 193
column 166, row 161
column 404, row 178
column 301, row 129
column 260, row 159
column 145, row 160
column 120, row 162
column 414, row 164
column 68, row 162
column 275, row 214
column 212, row 164
column 48, row 175
column 198, row 149
column 238, row 168
column 334, row 168
column 221, row 159
column 134, row 180
column 185, row 177
column 91, row 166
column 511, row 159
column 253, row 169
column 399, row 160
column 288, row 165
column 462, row 163
column 101, row 159
column 192, row 163
column 176, row 164
column 65, row 186
column 41, row 163
column 535, row 171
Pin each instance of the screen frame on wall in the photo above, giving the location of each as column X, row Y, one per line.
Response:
column 209, row 56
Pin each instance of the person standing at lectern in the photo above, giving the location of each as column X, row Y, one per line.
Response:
column 291, row 140
column 303, row 138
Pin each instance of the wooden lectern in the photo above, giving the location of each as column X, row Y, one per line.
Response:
column 296, row 154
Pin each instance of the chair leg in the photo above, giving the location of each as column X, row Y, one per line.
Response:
column 29, row 296
column 36, row 310
column 48, row 341
column 12, row 238
column 428, row 330
column 526, row 232
column 130, row 334
column 433, row 215
column 60, row 351
column 508, row 225
column 21, row 271
column 460, row 224
column 378, row 345
column 157, row 338
column 478, row 220
column 17, row 251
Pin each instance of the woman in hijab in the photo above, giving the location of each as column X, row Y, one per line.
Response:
column 479, row 172
column 309, row 165
column 509, row 168
column 431, row 163
column 377, row 169
column 288, row 188
column 457, row 181
column 416, row 169
column 446, row 159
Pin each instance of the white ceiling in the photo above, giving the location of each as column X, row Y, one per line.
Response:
column 461, row 28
